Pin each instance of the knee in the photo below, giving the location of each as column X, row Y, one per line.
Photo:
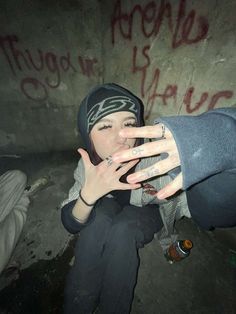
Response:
column 15, row 177
column 123, row 231
column 97, row 229
column 102, row 219
column 19, row 177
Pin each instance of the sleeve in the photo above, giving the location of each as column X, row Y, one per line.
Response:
column 79, row 181
column 206, row 143
column 70, row 223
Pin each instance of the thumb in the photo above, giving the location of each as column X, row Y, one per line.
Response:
column 85, row 157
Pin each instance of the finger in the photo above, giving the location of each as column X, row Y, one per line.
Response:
column 159, row 168
column 126, row 186
column 85, row 157
column 154, row 131
column 171, row 188
column 145, row 150
column 109, row 163
column 125, row 168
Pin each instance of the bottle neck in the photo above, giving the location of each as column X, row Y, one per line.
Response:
column 185, row 245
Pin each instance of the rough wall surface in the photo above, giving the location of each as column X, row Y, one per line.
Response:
column 178, row 56
column 49, row 56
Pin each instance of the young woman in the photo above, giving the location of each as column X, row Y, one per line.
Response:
column 113, row 218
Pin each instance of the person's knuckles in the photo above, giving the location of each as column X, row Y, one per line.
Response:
column 152, row 131
column 174, row 160
column 103, row 166
column 162, row 166
column 147, row 149
column 164, row 145
column 155, row 147
column 168, row 134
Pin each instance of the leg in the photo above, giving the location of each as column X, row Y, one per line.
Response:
column 12, row 185
column 132, row 228
column 212, row 202
column 84, row 280
column 13, row 208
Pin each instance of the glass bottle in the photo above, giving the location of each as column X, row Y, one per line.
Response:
column 178, row 250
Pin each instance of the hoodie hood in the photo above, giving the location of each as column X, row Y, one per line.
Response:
column 103, row 100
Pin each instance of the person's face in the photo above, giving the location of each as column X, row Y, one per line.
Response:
column 105, row 133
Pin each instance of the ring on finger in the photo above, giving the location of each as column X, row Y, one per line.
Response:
column 163, row 131
column 109, row 161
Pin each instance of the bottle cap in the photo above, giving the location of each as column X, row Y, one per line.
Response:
column 187, row 244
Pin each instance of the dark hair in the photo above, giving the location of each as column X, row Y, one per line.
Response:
column 95, row 159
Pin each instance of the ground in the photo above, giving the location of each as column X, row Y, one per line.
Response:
column 205, row 282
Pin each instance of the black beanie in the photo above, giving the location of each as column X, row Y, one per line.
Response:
column 103, row 100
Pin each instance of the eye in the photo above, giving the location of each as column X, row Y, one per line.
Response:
column 130, row 124
column 104, row 127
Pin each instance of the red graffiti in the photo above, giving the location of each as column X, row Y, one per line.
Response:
column 187, row 28
column 136, row 68
column 87, row 66
column 33, row 89
column 23, row 60
column 153, row 96
column 204, row 97
column 188, row 99
column 222, row 94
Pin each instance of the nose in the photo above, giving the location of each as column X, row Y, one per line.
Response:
column 122, row 140
column 119, row 139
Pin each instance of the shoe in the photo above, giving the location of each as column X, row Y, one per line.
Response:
column 9, row 274
column 38, row 185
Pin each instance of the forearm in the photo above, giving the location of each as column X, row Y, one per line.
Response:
column 83, row 205
column 206, row 143
column 70, row 222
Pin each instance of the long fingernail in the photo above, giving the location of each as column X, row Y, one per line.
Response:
column 131, row 179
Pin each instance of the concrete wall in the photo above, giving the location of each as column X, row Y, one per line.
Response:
column 50, row 55
column 178, row 56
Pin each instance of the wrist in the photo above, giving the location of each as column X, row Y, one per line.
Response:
column 86, row 198
column 81, row 211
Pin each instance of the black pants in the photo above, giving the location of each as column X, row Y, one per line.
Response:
column 212, row 202
column 106, row 258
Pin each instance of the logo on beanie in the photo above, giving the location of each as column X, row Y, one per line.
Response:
column 108, row 106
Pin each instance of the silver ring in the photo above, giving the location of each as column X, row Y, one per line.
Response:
column 163, row 130
column 109, row 160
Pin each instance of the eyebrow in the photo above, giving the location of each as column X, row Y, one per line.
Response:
column 109, row 120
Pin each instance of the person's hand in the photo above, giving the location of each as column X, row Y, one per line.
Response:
column 104, row 178
column 166, row 144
